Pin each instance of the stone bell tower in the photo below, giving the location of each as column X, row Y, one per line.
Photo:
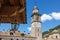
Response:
column 36, row 24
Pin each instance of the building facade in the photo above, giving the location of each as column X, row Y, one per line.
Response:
column 54, row 35
column 10, row 35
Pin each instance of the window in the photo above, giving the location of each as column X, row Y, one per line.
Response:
column 17, row 39
column 11, row 33
column 56, row 37
column 11, row 39
column 22, row 34
column 37, row 18
column 0, row 38
column 0, row 5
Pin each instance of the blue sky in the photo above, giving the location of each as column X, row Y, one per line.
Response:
column 50, row 14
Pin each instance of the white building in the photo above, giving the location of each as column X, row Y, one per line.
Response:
column 54, row 35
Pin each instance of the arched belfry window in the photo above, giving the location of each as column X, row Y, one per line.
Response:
column 37, row 18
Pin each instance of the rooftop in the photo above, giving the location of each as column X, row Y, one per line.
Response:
column 16, row 34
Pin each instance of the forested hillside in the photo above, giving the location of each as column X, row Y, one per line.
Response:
column 50, row 30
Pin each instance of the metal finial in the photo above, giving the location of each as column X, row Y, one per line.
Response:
column 35, row 5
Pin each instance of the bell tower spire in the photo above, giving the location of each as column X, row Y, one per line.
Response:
column 35, row 10
column 35, row 15
column 36, row 23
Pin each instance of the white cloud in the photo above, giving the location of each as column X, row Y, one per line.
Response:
column 56, row 15
column 29, row 28
column 45, row 17
column 53, row 15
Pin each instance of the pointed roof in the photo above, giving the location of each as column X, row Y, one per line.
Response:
column 35, row 11
column 35, row 7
